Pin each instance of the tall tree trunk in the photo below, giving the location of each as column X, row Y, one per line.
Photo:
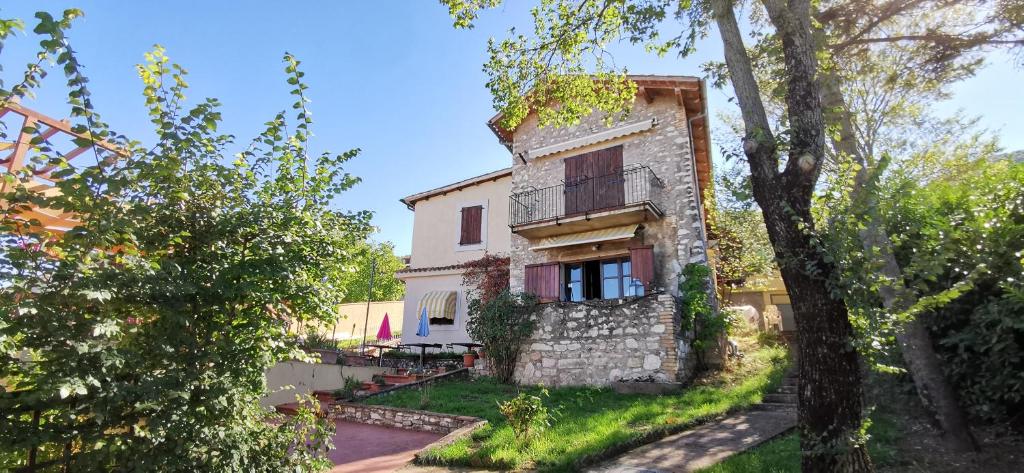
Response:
column 830, row 394
column 936, row 393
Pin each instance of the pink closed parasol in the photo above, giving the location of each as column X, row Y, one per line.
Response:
column 385, row 329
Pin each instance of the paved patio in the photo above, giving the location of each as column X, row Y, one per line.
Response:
column 375, row 449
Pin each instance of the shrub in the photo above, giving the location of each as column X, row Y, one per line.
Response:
column 349, row 389
column 502, row 325
column 526, row 415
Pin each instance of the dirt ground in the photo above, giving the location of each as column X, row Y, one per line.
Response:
column 920, row 450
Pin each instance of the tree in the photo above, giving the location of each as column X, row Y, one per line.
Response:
column 744, row 251
column 386, row 287
column 141, row 336
column 549, row 73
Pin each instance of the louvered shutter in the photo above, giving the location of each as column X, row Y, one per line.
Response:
column 472, row 221
column 541, row 280
column 642, row 264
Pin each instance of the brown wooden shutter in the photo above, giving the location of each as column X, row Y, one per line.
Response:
column 542, row 281
column 472, row 221
column 642, row 265
column 609, row 191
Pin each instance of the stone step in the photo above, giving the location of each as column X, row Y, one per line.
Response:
column 774, row 406
column 780, row 398
column 790, row 381
column 786, row 390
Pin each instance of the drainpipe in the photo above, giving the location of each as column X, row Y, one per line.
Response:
column 696, row 186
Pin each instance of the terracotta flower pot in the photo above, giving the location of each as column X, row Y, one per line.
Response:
column 468, row 360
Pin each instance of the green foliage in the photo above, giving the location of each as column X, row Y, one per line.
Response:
column 386, row 287
column 961, row 241
column 352, row 384
column 318, row 341
column 586, row 422
column 526, row 415
column 143, row 334
column 501, row 325
column 707, row 324
column 564, row 72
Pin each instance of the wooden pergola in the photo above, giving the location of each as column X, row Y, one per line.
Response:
column 38, row 131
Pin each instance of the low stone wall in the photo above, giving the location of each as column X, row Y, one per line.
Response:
column 395, row 417
column 602, row 342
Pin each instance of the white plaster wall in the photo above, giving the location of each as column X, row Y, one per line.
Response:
column 287, row 379
column 437, row 224
column 416, row 286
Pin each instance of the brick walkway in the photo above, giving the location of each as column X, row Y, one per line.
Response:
column 375, row 449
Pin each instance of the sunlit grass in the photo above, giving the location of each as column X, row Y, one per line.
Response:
column 589, row 423
column 782, row 455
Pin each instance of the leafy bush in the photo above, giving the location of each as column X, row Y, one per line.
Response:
column 502, row 325
column 526, row 415
column 150, row 325
column 349, row 389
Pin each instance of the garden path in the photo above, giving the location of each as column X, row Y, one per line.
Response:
column 709, row 444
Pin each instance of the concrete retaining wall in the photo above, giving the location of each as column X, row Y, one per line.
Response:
column 309, row 377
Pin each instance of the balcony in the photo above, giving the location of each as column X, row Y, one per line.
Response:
column 586, row 203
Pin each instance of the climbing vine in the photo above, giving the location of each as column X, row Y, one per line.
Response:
column 698, row 315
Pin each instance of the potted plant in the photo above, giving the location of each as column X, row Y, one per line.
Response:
column 320, row 344
column 468, row 359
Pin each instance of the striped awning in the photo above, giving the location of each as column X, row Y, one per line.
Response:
column 624, row 232
column 439, row 305
column 595, row 138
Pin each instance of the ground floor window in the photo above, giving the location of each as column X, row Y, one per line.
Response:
column 600, row 279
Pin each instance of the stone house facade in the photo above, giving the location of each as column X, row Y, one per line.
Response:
column 603, row 219
column 598, row 223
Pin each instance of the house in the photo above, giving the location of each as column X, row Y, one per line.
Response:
column 598, row 222
column 452, row 225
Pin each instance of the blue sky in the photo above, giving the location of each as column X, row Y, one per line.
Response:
column 391, row 78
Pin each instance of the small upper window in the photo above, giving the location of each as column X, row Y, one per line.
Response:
column 472, row 224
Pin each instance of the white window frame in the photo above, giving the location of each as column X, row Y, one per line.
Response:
column 483, row 227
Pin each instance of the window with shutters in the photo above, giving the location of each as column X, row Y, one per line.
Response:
column 471, row 228
column 609, row 278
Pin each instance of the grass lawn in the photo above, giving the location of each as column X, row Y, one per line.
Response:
column 783, row 454
column 588, row 423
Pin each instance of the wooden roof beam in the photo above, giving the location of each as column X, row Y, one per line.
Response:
column 646, row 94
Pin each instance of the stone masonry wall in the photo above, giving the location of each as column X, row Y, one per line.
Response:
column 601, row 342
column 399, row 418
column 665, row 149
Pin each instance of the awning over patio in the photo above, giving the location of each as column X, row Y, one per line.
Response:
column 624, row 232
column 439, row 304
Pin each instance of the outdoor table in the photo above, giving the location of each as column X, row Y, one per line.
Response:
column 381, row 348
column 468, row 345
column 423, row 348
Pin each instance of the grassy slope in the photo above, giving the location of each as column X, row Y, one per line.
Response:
column 588, row 422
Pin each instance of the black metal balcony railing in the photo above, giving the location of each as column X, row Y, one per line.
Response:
column 583, row 195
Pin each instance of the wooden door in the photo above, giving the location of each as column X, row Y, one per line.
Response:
column 594, row 181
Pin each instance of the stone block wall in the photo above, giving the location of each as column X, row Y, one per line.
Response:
column 602, row 342
column 409, row 419
column 677, row 236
